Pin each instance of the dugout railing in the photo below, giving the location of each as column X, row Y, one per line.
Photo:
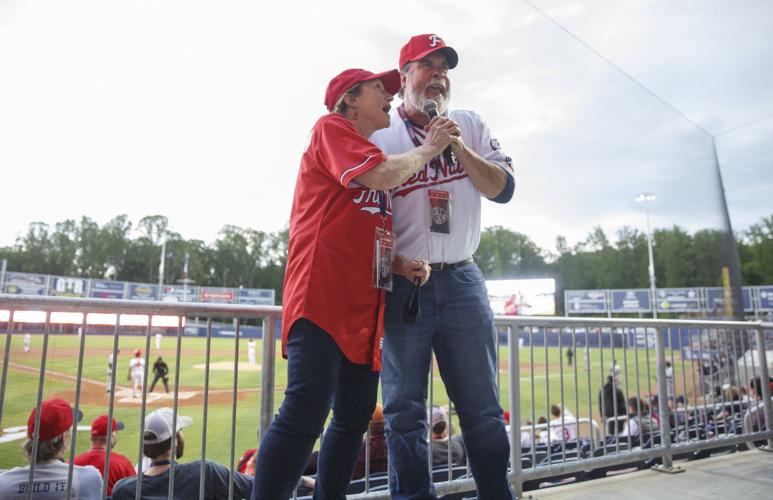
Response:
column 700, row 391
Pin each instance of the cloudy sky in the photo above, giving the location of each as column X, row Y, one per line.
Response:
column 200, row 110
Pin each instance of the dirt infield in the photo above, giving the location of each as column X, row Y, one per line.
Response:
column 95, row 392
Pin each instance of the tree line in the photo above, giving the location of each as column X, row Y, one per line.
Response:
column 246, row 257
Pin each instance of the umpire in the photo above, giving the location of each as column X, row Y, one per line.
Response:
column 160, row 371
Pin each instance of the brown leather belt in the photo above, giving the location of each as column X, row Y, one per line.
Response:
column 442, row 266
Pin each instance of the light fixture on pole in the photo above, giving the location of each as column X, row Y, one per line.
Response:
column 646, row 198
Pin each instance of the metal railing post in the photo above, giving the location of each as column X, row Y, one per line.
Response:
column 663, row 410
column 515, row 412
column 764, row 382
column 267, row 375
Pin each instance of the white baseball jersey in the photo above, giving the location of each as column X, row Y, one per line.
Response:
column 410, row 201
column 137, row 367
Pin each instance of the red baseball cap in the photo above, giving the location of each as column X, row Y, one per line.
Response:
column 420, row 46
column 56, row 416
column 99, row 426
column 351, row 77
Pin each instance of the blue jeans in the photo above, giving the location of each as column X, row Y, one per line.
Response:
column 457, row 323
column 318, row 376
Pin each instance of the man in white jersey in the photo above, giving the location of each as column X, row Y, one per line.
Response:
column 136, row 372
column 27, row 340
column 50, row 475
column 437, row 219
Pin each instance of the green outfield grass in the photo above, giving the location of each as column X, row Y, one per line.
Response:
column 62, row 360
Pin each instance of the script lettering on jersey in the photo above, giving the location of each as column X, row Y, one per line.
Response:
column 435, row 172
column 367, row 200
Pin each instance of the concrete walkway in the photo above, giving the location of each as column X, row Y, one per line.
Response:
column 747, row 475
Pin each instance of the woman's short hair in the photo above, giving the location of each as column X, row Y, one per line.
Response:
column 341, row 107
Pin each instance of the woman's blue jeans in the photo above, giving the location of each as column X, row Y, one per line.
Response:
column 319, row 377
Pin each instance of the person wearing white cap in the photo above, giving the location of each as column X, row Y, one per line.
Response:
column 160, row 426
column 50, row 480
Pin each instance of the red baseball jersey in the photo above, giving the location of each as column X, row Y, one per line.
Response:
column 329, row 276
column 120, row 466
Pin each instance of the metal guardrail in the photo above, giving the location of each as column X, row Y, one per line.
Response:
column 602, row 346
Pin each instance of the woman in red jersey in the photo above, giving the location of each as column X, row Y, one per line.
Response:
column 340, row 260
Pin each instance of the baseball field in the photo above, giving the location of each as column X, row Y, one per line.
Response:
column 545, row 372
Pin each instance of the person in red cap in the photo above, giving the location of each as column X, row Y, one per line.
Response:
column 136, row 373
column 340, row 260
column 119, row 465
column 437, row 218
column 50, row 475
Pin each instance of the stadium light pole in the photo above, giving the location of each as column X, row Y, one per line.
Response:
column 161, row 267
column 646, row 198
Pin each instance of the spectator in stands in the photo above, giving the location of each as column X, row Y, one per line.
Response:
column 56, row 418
column 160, row 371
column 441, row 442
column 378, row 454
column 755, row 388
column 340, row 261
column 669, row 380
column 527, row 438
column 120, row 466
column 639, row 420
column 612, row 405
column 543, row 432
column 157, row 445
column 562, row 425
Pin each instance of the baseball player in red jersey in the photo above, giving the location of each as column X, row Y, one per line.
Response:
column 340, row 261
column 437, row 218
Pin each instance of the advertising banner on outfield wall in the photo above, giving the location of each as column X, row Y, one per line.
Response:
column 174, row 293
column 765, row 298
column 260, row 297
column 630, row 301
column 715, row 300
column 62, row 286
column 678, row 300
column 585, row 301
column 105, row 289
column 26, row 284
column 216, row 295
column 142, row 291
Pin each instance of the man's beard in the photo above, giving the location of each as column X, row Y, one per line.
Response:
column 416, row 100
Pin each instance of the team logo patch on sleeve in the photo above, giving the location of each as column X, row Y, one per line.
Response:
column 495, row 144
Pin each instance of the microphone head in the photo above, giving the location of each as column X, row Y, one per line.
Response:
column 429, row 106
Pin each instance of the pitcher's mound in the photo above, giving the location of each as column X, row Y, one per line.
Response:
column 228, row 366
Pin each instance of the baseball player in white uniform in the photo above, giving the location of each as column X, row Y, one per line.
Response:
column 251, row 356
column 437, row 218
column 26, row 342
column 110, row 368
column 158, row 340
column 136, row 372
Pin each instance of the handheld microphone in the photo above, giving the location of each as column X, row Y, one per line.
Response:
column 430, row 107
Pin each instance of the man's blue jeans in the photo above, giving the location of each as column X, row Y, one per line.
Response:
column 457, row 323
column 318, row 376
